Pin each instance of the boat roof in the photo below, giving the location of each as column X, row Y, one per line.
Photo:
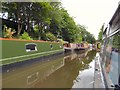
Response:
column 115, row 14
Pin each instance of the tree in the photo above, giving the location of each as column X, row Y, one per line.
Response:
column 18, row 12
column 100, row 33
column 85, row 35
column 43, row 17
column 39, row 18
column 56, row 19
column 68, row 27
column 78, row 35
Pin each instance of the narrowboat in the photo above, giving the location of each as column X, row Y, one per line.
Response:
column 110, row 52
column 15, row 50
column 69, row 46
column 81, row 46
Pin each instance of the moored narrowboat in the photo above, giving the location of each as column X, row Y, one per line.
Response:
column 110, row 52
column 14, row 50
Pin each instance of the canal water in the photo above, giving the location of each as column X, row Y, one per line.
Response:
column 59, row 71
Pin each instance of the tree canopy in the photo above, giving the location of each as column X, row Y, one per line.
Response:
column 45, row 20
column 100, row 33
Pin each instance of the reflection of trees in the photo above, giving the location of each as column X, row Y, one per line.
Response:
column 63, row 77
column 116, row 41
column 85, row 61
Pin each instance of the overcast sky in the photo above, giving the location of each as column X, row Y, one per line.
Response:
column 91, row 13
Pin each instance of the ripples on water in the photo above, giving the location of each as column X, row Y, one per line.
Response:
column 59, row 71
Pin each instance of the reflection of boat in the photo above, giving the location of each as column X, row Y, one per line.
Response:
column 32, row 78
column 70, row 57
column 79, row 54
column 38, row 76
column 80, row 48
column 67, row 49
column 27, row 76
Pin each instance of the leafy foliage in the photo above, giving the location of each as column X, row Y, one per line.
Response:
column 45, row 20
column 25, row 36
column 116, row 40
column 8, row 32
column 100, row 33
column 50, row 37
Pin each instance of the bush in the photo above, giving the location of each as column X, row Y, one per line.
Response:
column 25, row 36
column 50, row 37
column 8, row 32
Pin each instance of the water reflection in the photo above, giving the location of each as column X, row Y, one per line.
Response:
column 27, row 76
column 55, row 72
column 85, row 78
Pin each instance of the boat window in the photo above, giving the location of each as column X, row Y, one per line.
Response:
column 31, row 47
column 116, row 43
column 51, row 46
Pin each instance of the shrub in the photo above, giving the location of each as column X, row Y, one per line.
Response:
column 25, row 36
column 8, row 32
column 50, row 36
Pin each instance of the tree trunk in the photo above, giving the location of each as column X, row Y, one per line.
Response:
column 28, row 24
column 39, row 37
column 19, row 22
column 19, row 27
